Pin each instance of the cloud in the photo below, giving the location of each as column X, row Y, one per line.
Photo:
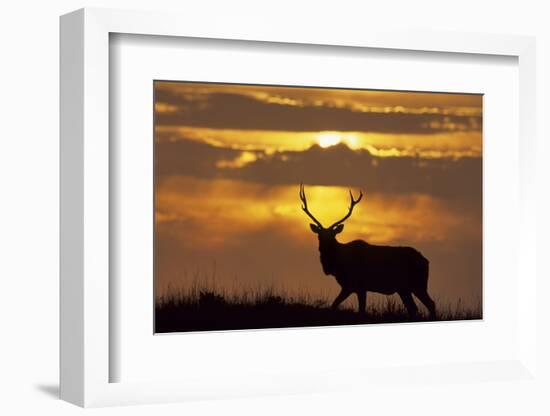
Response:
column 189, row 157
column 360, row 99
column 447, row 178
column 262, row 111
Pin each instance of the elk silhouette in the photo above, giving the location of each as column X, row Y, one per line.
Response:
column 360, row 267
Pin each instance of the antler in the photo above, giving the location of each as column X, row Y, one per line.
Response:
column 304, row 207
column 352, row 204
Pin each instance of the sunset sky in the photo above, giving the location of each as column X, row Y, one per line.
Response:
column 230, row 158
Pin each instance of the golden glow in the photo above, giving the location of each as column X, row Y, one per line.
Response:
column 455, row 145
column 226, row 209
column 328, row 139
column 245, row 234
column 165, row 108
column 243, row 159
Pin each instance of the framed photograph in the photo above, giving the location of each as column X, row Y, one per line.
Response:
column 311, row 204
column 233, row 248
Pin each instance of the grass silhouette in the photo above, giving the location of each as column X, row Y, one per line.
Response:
column 206, row 309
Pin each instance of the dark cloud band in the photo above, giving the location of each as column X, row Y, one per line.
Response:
column 237, row 111
column 339, row 165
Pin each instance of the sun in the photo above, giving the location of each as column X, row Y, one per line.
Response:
column 328, row 139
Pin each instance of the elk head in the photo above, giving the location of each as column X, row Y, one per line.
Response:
column 327, row 235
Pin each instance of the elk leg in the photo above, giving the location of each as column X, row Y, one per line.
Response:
column 342, row 296
column 408, row 301
column 423, row 296
column 362, row 299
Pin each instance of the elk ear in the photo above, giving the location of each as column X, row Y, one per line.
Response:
column 314, row 228
column 338, row 229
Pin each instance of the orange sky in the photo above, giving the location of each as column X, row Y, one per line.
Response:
column 229, row 160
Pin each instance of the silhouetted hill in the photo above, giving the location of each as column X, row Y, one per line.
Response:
column 211, row 311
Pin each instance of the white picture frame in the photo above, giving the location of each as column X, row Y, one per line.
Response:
column 85, row 219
